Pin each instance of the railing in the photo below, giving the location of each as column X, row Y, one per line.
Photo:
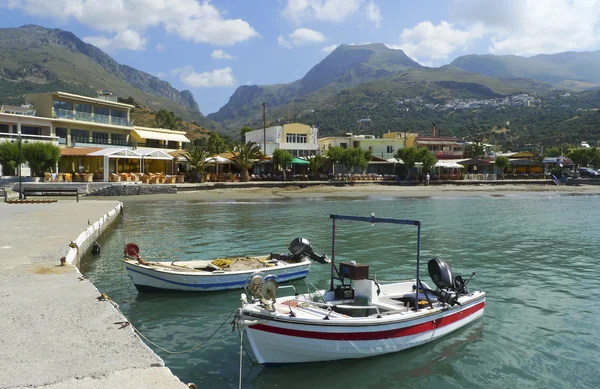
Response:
column 7, row 137
column 76, row 141
column 92, row 118
column 448, row 153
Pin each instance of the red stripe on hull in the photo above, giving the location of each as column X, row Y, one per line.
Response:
column 376, row 335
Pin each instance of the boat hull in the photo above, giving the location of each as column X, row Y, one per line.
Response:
column 147, row 279
column 276, row 343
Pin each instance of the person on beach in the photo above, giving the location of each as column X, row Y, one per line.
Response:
column 427, row 177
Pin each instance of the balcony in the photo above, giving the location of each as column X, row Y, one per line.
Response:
column 448, row 154
column 103, row 142
column 92, row 118
column 8, row 137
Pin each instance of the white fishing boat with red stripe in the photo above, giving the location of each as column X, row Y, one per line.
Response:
column 358, row 316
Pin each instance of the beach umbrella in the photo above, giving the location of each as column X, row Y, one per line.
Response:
column 217, row 160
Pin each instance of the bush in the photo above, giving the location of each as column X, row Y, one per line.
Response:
column 41, row 157
column 9, row 153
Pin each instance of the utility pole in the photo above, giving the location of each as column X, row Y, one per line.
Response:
column 264, row 128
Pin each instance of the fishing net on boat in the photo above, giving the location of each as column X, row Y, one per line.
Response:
column 241, row 263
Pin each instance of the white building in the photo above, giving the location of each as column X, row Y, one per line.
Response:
column 299, row 139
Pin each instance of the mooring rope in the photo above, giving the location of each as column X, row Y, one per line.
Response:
column 164, row 349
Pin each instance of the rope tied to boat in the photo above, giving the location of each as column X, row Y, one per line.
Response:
column 141, row 335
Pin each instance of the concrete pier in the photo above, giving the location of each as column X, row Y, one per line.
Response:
column 55, row 333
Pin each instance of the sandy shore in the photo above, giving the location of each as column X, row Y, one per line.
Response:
column 326, row 191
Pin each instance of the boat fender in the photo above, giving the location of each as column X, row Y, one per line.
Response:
column 95, row 248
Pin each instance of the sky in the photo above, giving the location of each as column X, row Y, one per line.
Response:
column 213, row 47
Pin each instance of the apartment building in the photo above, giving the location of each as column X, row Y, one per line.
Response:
column 299, row 139
column 384, row 148
column 85, row 127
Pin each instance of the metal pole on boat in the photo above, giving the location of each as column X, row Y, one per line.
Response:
column 418, row 266
column 332, row 253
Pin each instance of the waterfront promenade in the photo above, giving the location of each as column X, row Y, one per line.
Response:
column 55, row 332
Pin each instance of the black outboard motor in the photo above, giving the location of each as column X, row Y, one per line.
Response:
column 301, row 247
column 451, row 287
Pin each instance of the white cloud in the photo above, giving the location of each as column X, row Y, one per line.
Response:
column 216, row 78
column 127, row 40
column 284, row 42
column 160, row 47
column 220, row 54
column 304, row 36
column 329, row 49
column 192, row 20
column 373, row 13
column 322, row 10
column 430, row 42
column 529, row 27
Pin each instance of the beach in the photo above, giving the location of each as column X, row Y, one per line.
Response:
column 363, row 191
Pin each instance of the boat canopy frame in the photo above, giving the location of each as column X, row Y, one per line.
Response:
column 372, row 219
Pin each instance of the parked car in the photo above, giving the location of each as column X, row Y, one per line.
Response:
column 588, row 173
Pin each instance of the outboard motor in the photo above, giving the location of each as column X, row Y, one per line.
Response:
column 451, row 287
column 301, row 247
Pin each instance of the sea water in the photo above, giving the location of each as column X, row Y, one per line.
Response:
column 536, row 255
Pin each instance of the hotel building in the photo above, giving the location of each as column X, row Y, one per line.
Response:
column 96, row 134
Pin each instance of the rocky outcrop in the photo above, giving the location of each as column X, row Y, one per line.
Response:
column 134, row 190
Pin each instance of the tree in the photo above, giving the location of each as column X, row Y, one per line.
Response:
column 580, row 157
column 335, row 155
column 9, row 153
column 244, row 130
column 40, row 156
column 502, row 163
column 245, row 154
column 427, row 159
column 167, row 119
column 315, row 165
column 356, row 158
column 408, row 155
column 216, row 144
column 282, row 158
column 552, row 152
column 196, row 157
column 475, row 150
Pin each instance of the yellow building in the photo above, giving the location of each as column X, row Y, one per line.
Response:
column 384, row 147
column 85, row 128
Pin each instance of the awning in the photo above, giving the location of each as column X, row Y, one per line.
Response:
column 78, row 151
column 145, row 134
column 299, row 161
column 115, row 153
column 154, row 154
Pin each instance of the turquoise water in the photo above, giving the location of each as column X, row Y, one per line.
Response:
column 535, row 254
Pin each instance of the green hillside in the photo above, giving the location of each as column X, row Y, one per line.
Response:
column 36, row 59
column 577, row 70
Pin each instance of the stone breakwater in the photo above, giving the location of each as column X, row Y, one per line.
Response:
column 134, row 190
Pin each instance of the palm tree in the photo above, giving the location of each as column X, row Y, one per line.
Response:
column 245, row 155
column 315, row 165
column 196, row 157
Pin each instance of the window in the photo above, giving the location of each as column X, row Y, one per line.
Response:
column 66, row 105
column 101, row 111
column 118, row 139
column 3, row 127
column 27, row 130
column 83, row 108
column 81, row 136
column 62, row 135
column 118, row 114
column 390, row 149
column 295, row 138
column 100, row 137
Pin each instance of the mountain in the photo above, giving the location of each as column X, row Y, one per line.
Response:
column 363, row 74
column 38, row 59
column 346, row 66
column 575, row 70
